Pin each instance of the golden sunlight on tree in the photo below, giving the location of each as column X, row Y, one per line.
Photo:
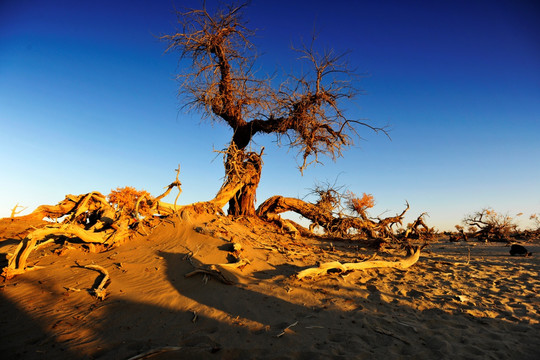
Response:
column 491, row 225
column 129, row 200
column 220, row 80
column 359, row 204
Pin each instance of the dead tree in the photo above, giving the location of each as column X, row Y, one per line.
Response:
column 459, row 235
column 323, row 215
column 305, row 112
column 418, row 229
column 491, row 225
column 100, row 222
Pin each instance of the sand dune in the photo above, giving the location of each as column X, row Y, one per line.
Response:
column 458, row 301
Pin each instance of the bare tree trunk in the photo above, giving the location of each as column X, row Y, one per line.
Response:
column 279, row 204
column 243, row 202
column 243, row 173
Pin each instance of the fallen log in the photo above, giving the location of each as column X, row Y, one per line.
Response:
column 337, row 267
column 323, row 215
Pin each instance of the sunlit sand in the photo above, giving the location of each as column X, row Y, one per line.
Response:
column 460, row 300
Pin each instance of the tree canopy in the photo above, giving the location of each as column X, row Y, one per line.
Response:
column 219, row 79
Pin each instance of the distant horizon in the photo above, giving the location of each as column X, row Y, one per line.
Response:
column 89, row 103
column 523, row 221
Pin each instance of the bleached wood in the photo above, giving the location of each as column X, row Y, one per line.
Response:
column 370, row 264
column 99, row 291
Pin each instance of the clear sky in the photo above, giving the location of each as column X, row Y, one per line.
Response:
column 88, row 102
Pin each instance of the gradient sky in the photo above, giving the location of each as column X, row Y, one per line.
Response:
column 88, row 103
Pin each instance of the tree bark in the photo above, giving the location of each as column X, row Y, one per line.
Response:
column 279, row 204
column 243, row 202
column 243, row 169
column 271, row 208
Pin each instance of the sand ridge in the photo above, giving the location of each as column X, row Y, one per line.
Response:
column 461, row 300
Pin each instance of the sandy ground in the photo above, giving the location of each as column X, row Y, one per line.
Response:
column 460, row 301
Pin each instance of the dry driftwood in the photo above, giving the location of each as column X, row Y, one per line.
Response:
column 99, row 291
column 92, row 219
column 221, row 272
column 287, row 328
column 150, row 353
column 337, row 267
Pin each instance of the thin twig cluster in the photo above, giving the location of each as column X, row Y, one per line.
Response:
column 219, row 79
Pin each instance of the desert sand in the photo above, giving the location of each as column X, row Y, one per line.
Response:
column 464, row 300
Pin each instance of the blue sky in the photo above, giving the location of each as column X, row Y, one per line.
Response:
column 88, row 102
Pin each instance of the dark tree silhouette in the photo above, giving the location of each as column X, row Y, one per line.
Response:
column 220, row 81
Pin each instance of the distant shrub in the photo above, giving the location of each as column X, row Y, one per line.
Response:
column 534, row 231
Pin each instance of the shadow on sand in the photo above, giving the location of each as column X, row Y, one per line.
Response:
column 244, row 322
column 23, row 337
